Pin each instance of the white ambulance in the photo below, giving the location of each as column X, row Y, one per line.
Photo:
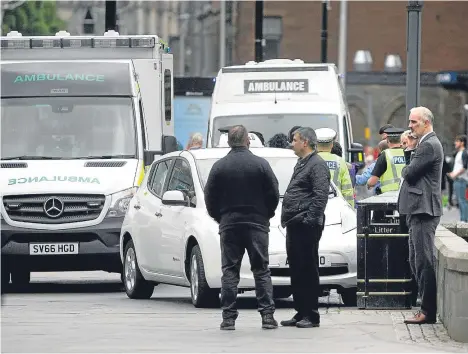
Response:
column 81, row 118
column 273, row 96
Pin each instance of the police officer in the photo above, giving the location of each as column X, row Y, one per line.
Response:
column 390, row 163
column 337, row 165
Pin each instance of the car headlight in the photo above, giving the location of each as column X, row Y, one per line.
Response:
column 348, row 219
column 119, row 202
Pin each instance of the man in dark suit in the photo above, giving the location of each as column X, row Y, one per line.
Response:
column 420, row 200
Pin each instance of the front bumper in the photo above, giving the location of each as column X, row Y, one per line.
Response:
column 98, row 247
column 340, row 273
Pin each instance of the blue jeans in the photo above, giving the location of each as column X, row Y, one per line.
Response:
column 459, row 186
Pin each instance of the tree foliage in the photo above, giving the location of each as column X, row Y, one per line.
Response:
column 33, row 18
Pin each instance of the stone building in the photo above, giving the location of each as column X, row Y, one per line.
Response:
column 292, row 30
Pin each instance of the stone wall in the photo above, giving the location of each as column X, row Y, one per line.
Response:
column 387, row 104
column 452, row 280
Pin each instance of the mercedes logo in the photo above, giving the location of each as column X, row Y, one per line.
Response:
column 53, row 207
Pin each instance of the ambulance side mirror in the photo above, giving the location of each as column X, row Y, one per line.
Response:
column 356, row 154
column 169, row 144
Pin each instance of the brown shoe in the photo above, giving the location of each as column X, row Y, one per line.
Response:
column 420, row 318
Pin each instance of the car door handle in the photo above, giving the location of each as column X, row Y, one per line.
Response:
column 158, row 214
column 137, row 206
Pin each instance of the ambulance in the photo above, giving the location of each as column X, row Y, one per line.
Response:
column 273, row 96
column 81, row 119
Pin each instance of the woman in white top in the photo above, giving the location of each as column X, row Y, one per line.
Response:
column 460, row 176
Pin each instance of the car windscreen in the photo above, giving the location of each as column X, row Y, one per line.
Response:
column 271, row 124
column 63, row 127
column 283, row 168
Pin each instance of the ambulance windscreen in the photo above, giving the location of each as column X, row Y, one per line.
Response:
column 255, row 141
column 65, row 79
column 271, row 124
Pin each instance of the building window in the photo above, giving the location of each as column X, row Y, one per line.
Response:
column 88, row 23
column 272, row 34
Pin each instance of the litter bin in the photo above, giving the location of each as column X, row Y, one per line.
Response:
column 384, row 279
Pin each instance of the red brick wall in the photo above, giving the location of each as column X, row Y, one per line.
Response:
column 379, row 26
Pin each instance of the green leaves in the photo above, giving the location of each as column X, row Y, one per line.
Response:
column 33, row 18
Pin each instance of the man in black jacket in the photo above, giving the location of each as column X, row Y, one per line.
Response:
column 242, row 194
column 303, row 215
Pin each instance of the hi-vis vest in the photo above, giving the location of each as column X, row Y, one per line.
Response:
column 390, row 180
column 339, row 175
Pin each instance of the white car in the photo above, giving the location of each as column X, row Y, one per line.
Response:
column 168, row 237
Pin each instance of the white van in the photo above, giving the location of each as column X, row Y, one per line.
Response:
column 273, row 96
column 81, row 118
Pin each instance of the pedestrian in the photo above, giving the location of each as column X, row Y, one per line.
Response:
column 242, row 194
column 352, row 167
column 291, row 133
column 195, row 142
column 389, row 164
column 279, row 140
column 420, row 200
column 459, row 175
column 260, row 137
column 303, row 216
column 382, row 133
column 362, row 179
column 337, row 165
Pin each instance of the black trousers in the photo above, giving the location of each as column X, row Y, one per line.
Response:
column 422, row 229
column 234, row 242
column 302, row 244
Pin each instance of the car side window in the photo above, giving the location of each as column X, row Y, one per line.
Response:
column 157, row 182
column 181, row 179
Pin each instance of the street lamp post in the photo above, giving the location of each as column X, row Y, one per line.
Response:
column 413, row 54
column 343, row 39
column 258, row 30
column 465, row 107
column 111, row 15
column 324, row 31
column 222, row 34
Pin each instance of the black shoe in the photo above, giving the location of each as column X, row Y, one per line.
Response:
column 292, row 322
column 307, row 323
column 228, row 325
column 268, row 321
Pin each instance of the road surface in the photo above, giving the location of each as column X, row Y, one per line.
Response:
column 87, row 312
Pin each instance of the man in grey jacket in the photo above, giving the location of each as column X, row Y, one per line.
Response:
column 420, row 200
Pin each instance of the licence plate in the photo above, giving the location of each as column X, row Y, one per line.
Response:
column 41, row 249
column 324, row 261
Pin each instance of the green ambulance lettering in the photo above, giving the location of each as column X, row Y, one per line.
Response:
column 23, row 180
column 84, row 180
column 59, row 77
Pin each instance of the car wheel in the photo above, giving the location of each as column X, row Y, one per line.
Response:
column 281, row 292
column 349, row 297
column 202, row 294
column 135, row 285
column 20, row 277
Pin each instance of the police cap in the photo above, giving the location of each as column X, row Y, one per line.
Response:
column 394, row 132
column 325, row 135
